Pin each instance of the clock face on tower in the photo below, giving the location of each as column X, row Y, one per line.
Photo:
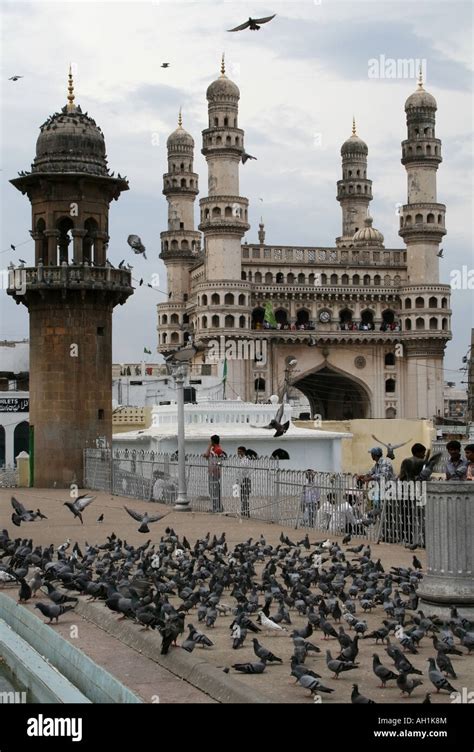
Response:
column 324, row 317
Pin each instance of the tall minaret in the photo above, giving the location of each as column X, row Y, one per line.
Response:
column 422, row 218
column 180, row 243
column 354, row 191
column 223, row 213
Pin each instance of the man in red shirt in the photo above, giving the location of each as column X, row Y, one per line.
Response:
column 214, row 454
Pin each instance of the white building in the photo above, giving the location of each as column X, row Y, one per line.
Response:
column 14, row 400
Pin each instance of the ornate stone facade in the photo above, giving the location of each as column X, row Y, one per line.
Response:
column 331, row 304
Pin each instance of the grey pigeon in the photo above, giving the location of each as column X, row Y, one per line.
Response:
column 437, row 678
column 250, row 668
column 314, row 685
column 145, row 518
column 253, row 24
column 338, row 666
column 78, row 506
column 53, row 610
column 136, row 244
column 407, row 685
column 358, row 699
column 382, row 672
column 264, row 654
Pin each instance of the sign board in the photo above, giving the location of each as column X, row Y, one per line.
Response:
column 14, row 405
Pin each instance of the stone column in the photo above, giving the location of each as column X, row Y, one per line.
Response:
column 38, row 238
column 449, row 536
column 53, row 236
column 77, row 244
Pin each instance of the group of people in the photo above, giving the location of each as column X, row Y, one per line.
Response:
column 243, row 485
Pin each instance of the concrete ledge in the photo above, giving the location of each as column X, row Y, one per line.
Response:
column 97, row 684
column 193, row 667
column 44, row 683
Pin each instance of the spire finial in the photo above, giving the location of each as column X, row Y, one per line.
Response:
column 223, row 64
column 420, row 77
column 353, row 126
column 180, row 119
column 70, row 88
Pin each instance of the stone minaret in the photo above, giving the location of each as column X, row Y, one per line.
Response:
column 354, row 191
column 422, row 218
column 70, row 293
column 180, row 243
column 223, row 212
column 425, row 302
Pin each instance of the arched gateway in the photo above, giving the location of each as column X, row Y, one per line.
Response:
column 334, row 395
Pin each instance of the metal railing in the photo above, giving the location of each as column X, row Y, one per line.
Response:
column 331, row 503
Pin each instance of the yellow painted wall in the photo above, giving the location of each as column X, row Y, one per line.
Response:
column 355, row 451
column 131, row 419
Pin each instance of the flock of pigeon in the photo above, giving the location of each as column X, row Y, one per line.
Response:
column 305, row 593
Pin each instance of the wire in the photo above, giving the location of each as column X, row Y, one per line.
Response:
column 17, row 245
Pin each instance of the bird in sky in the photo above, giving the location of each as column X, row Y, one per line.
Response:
column 165, row 65
column 440, row 253
column 15, row 78
column 136, row 244
column 78, row 506
column 390, row 447
column 246, row 156
column 141, row 282
column 13, row 247
column 185, row 354
column 253, row 24
column 144, row 519
column 22, row 261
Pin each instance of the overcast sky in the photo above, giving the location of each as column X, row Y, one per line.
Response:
column 301, row 78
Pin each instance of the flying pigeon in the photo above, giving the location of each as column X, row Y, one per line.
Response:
column 144, row 519
column 165, row 65
column 440, row 253
column 390, row 447
column 78, row 506
column 15, row 78
column 185, row 354
column 253, row 23
column 246, row 156
column 22, row 261
column 13, row 247
column 21, row 514
column 137, row 245
column 275, row 424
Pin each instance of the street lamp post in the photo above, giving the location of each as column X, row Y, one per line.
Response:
column 179, row 373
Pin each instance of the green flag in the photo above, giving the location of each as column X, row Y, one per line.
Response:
column 269, row 315
column 224, row 370
column 148, row 352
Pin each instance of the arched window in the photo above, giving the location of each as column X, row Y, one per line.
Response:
column 174, row 245
column 164, row 319
column 366, row 279
column 243, row 276
column 216, row 122
column 65, row 226
column 433, row 302
column 290, row 278
column 258, row 316
column 281, row 316
column 355, row 279
column 41, row 243
column 440, row 219
column 301, row 279
column 390, row 413
column 226, row 122
column 418, row 219
column 444, row 324
column 174, row 337
column 164, row 338
column 279, row 278
column 367, row 317
column 21, row 441
column 302, row 317
column 259, row 385
column 242, row 322
column 229, row 322
column 229, row 298
column 388, row 316
column 204, row 300
column 345, row 279
column 444, row 302
column 258, row 278
column 174, row 318
column 389, row 359
column 345, row 316
column 390, row 386
column 419, row 302
column 215, row 298
column 408, row 325
column 216, row 212
column 408, row 303
column 228, row 211
column 433, row 322
column 215, row 321
column 183, row 183
column 242, row 299
column 268, row 278
column 408, row 219
column 430, row 219
column 184, row 245
column 333, row 279
column 420, row 323
column 204, row 322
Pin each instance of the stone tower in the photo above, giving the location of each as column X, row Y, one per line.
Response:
column 180, row 243
column 70, row 293
column 354, row 191
column 422, row 226
column 223, row 212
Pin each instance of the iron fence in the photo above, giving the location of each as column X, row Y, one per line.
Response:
column 331, row 503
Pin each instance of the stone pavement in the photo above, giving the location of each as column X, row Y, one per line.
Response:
column 147, row 678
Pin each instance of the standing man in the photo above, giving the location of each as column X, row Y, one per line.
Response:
column 309, row 499
column 243, row 481
column 214, row 454
column 456, row 467
column 412, row 466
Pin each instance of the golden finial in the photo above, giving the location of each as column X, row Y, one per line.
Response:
column 353, row 126
column 70, row 97
column 420, row 78
column 223, row 64
column 180, row 119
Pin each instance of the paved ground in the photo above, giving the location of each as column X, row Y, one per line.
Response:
column 146, row 678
